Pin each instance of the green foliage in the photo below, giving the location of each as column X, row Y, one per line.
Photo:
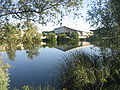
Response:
column 9, row 33
column 41, row 11
column 31, row 33
column 51, row 37
column 11, row 50
column 105, row 14
column 45, row 33
column 12, row 39
column 74, row 36
column 51, row 44
column 32, row 50
column 62, row 37
column 31, row 43
column 4, row 75
column 80, row 71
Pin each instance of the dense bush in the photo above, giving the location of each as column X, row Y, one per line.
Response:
column 74, row 36
column 80, row 71
column 51, row 37
column 62, row 37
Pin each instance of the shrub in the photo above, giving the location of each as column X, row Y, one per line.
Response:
column 51, row 37
column 62, row 37
column 78, row 72
column 74, row 36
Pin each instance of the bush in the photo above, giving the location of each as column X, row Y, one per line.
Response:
column 51, row 37
column 74, row 36
column 78, row 72
column 61, row 37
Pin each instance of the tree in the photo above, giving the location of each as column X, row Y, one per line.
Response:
column 61, row 37
column 74, row 36
column 31, row 34
column 9, row 34
column 40, row 11
column 106, row 14
column 45, row 33
column 51, row 37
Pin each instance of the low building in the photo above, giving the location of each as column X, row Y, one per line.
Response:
column 69, row 31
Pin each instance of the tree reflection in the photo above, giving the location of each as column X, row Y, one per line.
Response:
column 11, row 50
column 67, row 45
column 32, row 49
column 13, row 39
column 51, row 44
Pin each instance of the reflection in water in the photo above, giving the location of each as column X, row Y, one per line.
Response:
column 78, row 71
column 32, row 47
column 13, row 39
column 51, row 44
column 69, row 46
column 4, row 75
column 11, row 50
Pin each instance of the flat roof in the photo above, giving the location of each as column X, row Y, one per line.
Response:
column 70, row 28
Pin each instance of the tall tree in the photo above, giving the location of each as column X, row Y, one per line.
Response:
column 105, row 15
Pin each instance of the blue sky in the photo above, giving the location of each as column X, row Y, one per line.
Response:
column 78, row 23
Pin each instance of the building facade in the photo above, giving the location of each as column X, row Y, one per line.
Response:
column 69, row 31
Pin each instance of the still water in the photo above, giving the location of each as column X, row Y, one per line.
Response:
column 40, row 68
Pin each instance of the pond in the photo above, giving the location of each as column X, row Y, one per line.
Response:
column 43, row 64
column 28, row 68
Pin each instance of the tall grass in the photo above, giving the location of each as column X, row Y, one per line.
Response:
column 80, row 71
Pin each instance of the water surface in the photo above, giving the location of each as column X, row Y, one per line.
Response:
column 37, row 69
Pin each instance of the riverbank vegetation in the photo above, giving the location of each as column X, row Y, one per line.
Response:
column 4, row 75
column 62, row 38
column 78, row 71
column 81, row 71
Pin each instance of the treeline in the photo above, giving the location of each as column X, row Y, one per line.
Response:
column 63, row 37
column 12, row 33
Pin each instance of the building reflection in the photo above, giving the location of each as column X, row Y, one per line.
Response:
column 72, row 46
